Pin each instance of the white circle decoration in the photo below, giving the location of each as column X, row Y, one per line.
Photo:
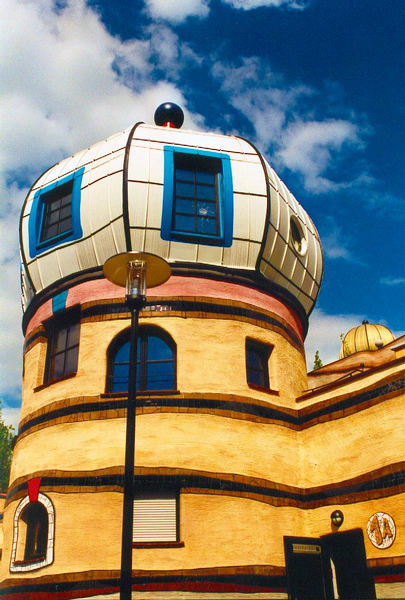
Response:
column 381, row 530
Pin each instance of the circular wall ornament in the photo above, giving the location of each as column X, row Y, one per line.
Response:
column 381, row 530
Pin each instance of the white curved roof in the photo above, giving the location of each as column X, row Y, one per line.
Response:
column 122, row 191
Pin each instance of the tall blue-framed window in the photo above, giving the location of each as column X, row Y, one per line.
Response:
column 55, row 214
column 197, row 197
column 156, row 361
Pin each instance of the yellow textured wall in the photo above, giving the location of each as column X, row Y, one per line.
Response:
column 356, row 444
column 192, row 441
column 203, row 364
column 217, row 530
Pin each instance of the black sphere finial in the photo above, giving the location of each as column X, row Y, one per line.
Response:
column 169, row 114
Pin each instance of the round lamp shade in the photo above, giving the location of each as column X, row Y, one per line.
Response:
column 157, row 269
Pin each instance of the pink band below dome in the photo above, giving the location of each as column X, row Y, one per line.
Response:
column 102, row 289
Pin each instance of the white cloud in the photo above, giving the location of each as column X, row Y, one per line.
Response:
column 10, row 415
column 250, row 4
column 285, row 126
column 335, row 243
column 65, row 83
column 392, row 280
column 176, row 11
column 324, row 335
column 261, row 95
column 310, row 147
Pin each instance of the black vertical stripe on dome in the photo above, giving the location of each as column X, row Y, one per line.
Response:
column 267, row 221
column 125, row 207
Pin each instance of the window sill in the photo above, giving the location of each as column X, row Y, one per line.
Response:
column 157, row 544
column 260, row 388
column 56, row 380
column 141, row 393
column 30, row 562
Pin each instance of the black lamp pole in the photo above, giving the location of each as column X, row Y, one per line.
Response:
column 135, row 305
column 135, row 271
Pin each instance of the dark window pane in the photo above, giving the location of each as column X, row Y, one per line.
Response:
column 202, row 177
column 51, row 231
column 207, row 226
column 257, row 356
column 53, row 218
column 160, row 376
column 185, row 189
column 36, row 518
column 122, row 354
column 73, row 334
column 58, row 366
column 65, row 212
column 205, row 192
column 158, row 349
column 70, row 361
column 155, row 364
column 195, row 180
column 183, row 223
column 63, row 351
column 61, row 339
column 57, row 217
column 185, row 206
column 183, row 175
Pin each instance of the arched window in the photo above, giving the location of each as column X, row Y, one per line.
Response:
column 156, row 361
column 35, row 516
column 33, row 538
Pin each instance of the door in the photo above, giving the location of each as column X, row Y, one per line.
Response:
column 304, row 566
column 332, row 567
column 351, row 579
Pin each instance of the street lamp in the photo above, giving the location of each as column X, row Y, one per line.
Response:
column 136, row 271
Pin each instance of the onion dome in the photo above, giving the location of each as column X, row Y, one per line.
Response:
column 364, row 337
column 205, row 202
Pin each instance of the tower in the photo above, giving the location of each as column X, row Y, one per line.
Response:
column 222, row 449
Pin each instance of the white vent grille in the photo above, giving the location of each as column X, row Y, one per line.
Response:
column 155, row 519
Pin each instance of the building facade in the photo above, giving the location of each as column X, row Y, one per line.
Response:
column 240, row 456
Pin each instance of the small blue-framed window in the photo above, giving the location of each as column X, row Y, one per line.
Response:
column 197, row 197
column 55, row 214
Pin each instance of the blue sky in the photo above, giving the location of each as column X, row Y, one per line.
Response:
column 317, row 86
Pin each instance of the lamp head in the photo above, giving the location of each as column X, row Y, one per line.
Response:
column 337, row 518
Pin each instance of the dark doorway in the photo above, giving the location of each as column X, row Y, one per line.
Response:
column 347, row 556
column 328, row 568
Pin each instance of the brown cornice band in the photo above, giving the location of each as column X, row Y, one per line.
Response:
column 202, row 308
column 226, row 405
column 379, row 483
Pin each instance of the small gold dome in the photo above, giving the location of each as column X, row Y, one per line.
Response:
column 367, row 336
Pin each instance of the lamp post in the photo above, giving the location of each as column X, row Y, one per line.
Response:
column 136, row 271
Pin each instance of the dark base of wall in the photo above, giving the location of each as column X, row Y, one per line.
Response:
column 80, row 587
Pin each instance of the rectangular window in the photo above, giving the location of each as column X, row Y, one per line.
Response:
column 55, row 214
column 155, row 517
column 57, row 217
column 196, row 203
column 257, row 363
column 63, row 350
column 197, row 197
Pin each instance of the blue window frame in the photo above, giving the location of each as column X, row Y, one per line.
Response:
column 197, row 197
column 156, row 361
column 55, row 214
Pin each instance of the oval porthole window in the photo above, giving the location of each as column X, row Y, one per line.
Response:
column 297, row 236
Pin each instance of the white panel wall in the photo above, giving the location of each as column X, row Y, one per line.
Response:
column 103, row 223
